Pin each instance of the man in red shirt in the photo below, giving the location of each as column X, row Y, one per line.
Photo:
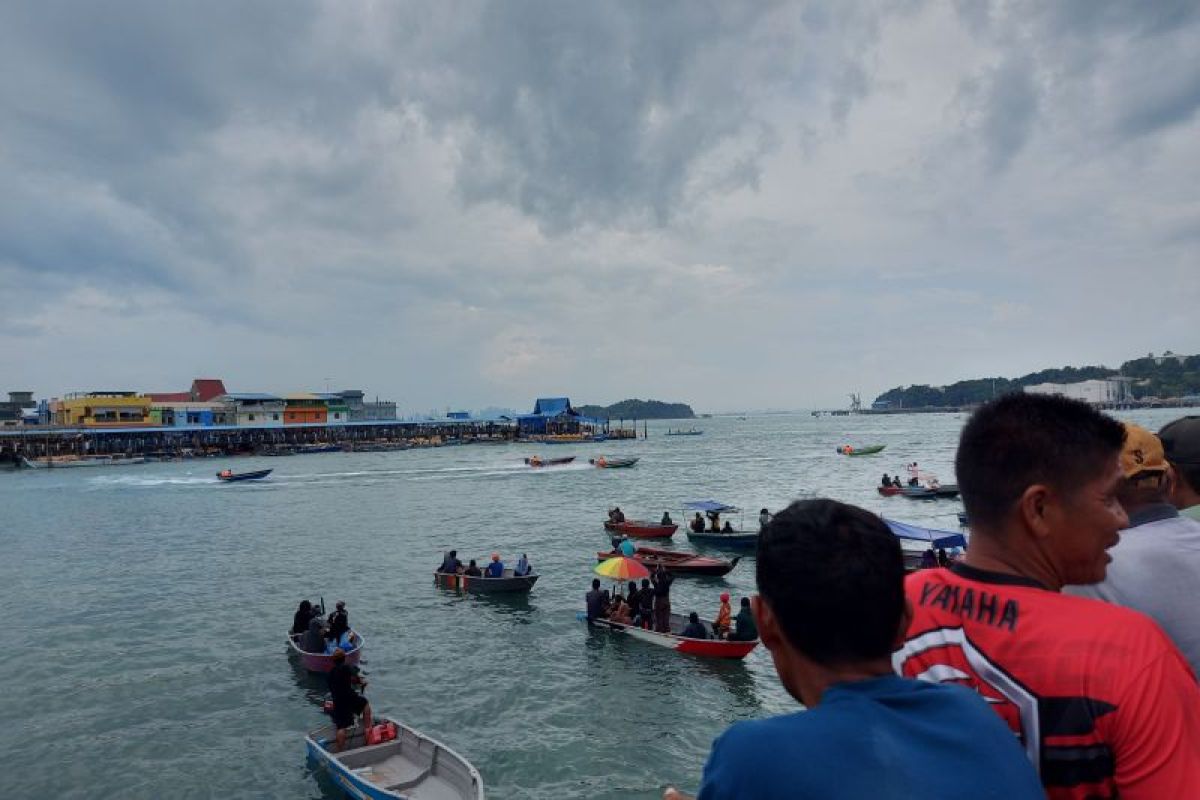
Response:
column 1101, row 700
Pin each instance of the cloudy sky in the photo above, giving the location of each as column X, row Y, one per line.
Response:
column 736, row 205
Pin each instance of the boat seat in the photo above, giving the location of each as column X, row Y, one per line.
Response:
column 398, row 773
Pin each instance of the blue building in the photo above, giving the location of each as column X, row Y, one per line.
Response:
column 554, row 416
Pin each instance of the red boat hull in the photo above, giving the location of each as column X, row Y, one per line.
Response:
column 680, row 563
column 704, row 648
column 641, row 530
column 888, row 491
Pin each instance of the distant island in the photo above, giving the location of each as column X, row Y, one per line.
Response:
column 1165, row 376
column 639, row 409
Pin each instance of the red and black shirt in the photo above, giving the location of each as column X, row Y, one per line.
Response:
column 1101, row 700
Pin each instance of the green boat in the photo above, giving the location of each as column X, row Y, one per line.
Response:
column 848, row 450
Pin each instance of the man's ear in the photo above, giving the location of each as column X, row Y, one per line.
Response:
column 1035, row 506
column 906, row 616
column 768, row 625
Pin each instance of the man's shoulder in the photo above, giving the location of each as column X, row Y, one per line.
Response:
column 746, row 739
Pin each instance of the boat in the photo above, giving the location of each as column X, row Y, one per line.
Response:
column 848, row 450
column 612, row 463
column 82, row 461
column 692, row 432
column 231, row 477
column 308, row 449
column 705, row 648
column 411, row 765
column 717, row 538
column 946, row 492
column 889, row 491
column 538, row 461
column 679, row 562
column 477, row 584
column 739, row 539
column 320, row 662
column 640, row 529
column 930, row 537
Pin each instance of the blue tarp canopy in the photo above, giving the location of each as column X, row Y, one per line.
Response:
column 708, row 505
column 935, row 537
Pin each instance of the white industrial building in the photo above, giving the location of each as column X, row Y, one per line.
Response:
column 1102, row 391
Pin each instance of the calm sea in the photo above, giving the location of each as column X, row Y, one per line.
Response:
column 148, row 604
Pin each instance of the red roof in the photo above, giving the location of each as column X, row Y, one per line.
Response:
column 205, row 389
column 171, row 397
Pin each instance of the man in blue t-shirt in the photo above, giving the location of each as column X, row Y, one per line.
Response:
column 496, row 568
column 831, row 609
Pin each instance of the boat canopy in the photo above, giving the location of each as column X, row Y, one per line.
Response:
column 936, row 538
column 709, row 505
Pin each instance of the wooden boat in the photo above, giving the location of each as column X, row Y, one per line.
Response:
column 231, row 477
column 692, row 432
column 930, row 492
column 861, row 451
column 82, row 461
column 319, row 662
column 681, row 563
column 888, row 491
column 538, row 461
column 410, row 766
column 640, row 529
column 508, row 584
column 705, row 648
column 612, row 463
column 738, row 539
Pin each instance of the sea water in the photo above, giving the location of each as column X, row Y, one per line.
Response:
column 147, row 607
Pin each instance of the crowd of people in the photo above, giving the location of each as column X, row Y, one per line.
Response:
column 318, row 634
column 649, row 607
column 451, row 565
column 1057, row 659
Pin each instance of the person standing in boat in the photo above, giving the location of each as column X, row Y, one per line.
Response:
column 764, row 518
column 594, row 601
column 347, row 703
column 714, row 519
column 634, row 598
column 646, row 598
column 662, row 581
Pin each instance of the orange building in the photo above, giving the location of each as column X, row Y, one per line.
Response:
column 305, row 408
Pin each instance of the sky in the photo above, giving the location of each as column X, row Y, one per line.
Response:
column 470, row 204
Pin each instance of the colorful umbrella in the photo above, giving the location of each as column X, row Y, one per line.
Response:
column 620, row 568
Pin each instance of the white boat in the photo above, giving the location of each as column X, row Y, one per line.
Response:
column 410, row 766
column 82, row 461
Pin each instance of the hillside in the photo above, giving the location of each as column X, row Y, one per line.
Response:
column 1166, row 376
column 639, row 409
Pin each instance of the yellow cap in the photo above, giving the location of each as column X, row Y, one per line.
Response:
column 1142, row 453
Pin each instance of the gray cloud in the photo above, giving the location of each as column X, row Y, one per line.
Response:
column 655, row 197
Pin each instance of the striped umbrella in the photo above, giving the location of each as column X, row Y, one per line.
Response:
column 620, row 568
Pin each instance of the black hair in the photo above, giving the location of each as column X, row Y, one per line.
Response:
column 1022, row 439
column 595, row 583
column 745, row 601
column 693, row 617
column 833, row 574
column 1189, row 474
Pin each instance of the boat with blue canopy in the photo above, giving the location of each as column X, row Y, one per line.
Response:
column 715, row 536
column 930, row 537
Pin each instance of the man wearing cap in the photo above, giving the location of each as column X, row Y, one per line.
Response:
column 1181, row 440
column 1156, row 566
column 496, row 568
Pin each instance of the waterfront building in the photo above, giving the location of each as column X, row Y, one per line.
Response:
column 100, row 409
column 204, row 390
column 554, row 416
column 305, row 408
column 254, row 409
column 189, row 414
column 362, row 410
column 1103, row 391
column 337, row 412
column 18, row 409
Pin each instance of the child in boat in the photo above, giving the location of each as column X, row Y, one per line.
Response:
column 619, row 613
column 724, row 620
